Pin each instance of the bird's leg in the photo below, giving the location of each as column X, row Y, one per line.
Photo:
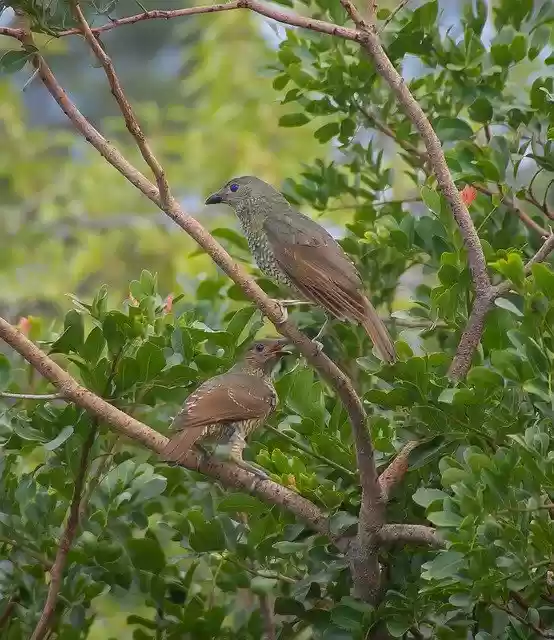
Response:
column 293, row 303
column 238, row 444
column 319, row 334
column 202, row 452
column 282, row 310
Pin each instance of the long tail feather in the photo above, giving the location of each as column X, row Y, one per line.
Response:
column 379, row 334
column 178, row 447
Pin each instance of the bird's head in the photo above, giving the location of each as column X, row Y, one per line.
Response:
column 264, row 354
column 238, row 191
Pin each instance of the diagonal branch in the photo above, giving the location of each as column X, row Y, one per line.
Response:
column 70, row 531
column 228, row 475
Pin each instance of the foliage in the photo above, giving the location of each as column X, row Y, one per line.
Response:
column 190, row 559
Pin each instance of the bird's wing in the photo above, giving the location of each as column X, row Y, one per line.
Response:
column 315, row 263
column 226, row 398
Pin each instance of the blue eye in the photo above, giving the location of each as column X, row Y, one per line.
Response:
column 234, row 187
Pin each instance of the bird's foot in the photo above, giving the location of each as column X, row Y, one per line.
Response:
column 282, row 311
column 293, row 303
column 321, row 332
column 249, row 466
column 319, row 345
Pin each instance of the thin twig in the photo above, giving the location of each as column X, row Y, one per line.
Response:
column 263, row 9
column 310, row 452
column 8, row 611
column 31, row 396
column 68, row 536
column 510, row 204
column 125, row 107
column 393, row 13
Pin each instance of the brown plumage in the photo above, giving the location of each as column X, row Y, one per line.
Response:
column 299, row 253
column 227, row 408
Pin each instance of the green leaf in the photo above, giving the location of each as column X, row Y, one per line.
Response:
column 326, row 132
column 148, row 283
column 452, row 129
column 484, row 378
column 5, row 372
column 73, row 336
column 261, row 585
column 64, row 434
column 117, row 329
column 425, row 497
column 347, row 618
column 544, row 279
column 444, row 565
column 481, row 110
column 508, row 306
column 432, row 199
column 93, row 346
column 13, row 61
column 150, row 360
column 293, row 120
column 518, row 47
column 207, row 536
column 241, row 502
column 146, row 554
column 511, row 268
column 445, row 518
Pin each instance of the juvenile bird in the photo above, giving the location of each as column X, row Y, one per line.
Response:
column 299, row 253
column 227, row 408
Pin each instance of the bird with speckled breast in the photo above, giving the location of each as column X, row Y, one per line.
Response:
column 228, row 408
column 299, row 253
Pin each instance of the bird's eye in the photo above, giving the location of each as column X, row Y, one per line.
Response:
column 259, row 347
column 234, row 187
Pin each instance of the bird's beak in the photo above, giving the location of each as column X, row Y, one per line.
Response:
column 215, row 198
column 281, row 346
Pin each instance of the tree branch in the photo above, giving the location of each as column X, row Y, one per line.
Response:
column 266, row 10
column 392, row 534
column 124, row 105
column 396, row 470
column 227, row 474
column 70, row 531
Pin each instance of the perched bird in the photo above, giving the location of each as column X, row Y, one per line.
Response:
column 298, row 253
column 226, row 409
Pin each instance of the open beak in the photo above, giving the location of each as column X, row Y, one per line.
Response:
column 281, row 346
column 215, row 198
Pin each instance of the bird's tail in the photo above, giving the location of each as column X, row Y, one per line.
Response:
column 376, row 330
column 179, row 446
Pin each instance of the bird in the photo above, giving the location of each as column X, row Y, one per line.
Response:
column 229, row 407
column 300, row 254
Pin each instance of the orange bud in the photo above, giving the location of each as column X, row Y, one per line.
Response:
column 24, row 325
column 468, row 194
column 133, row 300
column 168, row 303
